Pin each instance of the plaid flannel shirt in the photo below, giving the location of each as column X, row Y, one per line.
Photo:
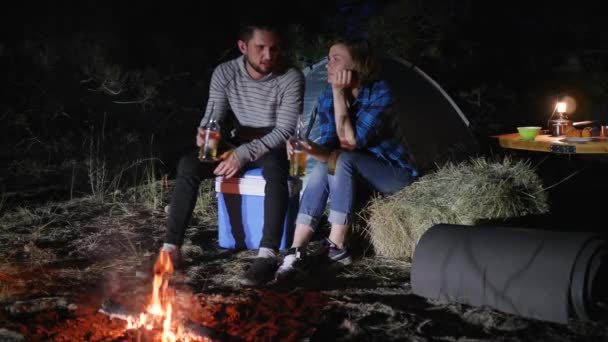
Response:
column 368, row 113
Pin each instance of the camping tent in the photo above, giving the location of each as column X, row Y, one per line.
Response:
column 430, row 122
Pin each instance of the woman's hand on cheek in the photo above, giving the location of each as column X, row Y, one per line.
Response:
column 342, row 79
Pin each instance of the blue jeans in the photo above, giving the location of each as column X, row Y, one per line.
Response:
column 352, row 169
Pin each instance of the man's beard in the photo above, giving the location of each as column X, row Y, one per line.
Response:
column 257, row 67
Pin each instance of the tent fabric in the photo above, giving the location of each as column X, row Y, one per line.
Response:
column 546, row 275
column 430, row 122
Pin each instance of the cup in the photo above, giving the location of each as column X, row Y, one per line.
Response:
column 297, row 162
column 604, row 131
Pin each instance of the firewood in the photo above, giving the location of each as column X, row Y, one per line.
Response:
column 38, row 305
column 10, row 336
column 195, row 330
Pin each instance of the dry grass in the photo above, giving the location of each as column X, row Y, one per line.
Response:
column 10, row 286
column 379, row 268
column 206, row 203
column 9, row 291
column 225, row 275
column 75, row 242
column 466, row 193
column 151, row 190
column 83, row 240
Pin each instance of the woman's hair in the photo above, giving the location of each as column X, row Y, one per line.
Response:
column 363, row 56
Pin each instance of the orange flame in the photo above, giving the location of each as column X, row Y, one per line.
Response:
column 160, row 303
column 163, row 264
column 160, row 283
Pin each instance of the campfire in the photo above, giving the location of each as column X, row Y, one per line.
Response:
column 158, row 317
column 167, row 306
column 160, row 303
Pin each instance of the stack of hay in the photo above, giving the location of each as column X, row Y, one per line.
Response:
column 466, row 193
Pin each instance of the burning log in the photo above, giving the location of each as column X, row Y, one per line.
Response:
column 159, row 313
column 10, row 336
column 114, row 310
column 38, row 305
column 203, row 332
column 192, row 329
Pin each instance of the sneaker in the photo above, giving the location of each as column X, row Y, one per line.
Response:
column 292, row 265
column 260, row 272
column 339, row 255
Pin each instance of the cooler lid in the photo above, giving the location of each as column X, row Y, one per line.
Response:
column 250, row 183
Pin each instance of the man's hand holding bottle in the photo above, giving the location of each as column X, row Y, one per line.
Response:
column 228, row 163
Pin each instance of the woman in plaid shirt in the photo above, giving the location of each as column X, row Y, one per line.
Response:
column 356, row 148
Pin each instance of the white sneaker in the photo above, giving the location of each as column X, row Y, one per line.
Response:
column 292, row 264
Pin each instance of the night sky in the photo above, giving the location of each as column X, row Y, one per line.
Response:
column 504, row 31
column 137, row 24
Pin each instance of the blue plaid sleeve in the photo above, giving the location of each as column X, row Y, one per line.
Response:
column 327, row 123
column 370, row 117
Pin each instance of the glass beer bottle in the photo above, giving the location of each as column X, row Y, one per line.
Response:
column 297, row 163
column 208, row 150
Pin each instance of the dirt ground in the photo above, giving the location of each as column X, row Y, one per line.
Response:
column 60, row 262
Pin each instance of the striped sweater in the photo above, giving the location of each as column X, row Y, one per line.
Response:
column 272, row 101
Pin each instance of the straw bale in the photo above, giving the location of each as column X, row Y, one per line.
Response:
column 467, row 193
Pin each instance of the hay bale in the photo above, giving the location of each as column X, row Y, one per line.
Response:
column 465, row 193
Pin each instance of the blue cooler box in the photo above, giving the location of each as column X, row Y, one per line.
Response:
column 241, row 210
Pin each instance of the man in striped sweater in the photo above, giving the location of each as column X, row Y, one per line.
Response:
column 266, row 98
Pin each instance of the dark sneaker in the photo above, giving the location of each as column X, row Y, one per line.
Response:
column 339, row 255
column 292, row 265
column 260, row 272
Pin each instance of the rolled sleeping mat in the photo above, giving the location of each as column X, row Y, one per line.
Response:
column 550, row 276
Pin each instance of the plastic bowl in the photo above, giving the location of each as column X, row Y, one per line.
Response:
column 528, row 133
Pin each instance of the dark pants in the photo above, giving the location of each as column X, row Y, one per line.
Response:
column 191, row 172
